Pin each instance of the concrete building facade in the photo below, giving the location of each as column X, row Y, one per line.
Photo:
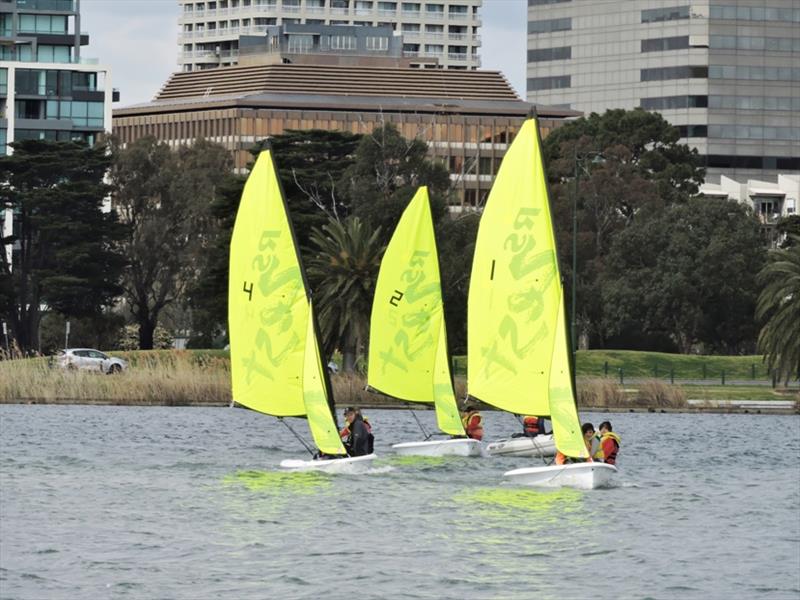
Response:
column 726, row 73
column 468, row 118
column 436, row 34
column 770, row 201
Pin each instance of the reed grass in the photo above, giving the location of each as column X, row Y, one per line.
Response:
column 598, row 392
column 173, row 379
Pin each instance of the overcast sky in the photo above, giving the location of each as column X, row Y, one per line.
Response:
column 138, row 39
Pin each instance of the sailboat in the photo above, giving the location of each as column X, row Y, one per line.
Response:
column 276, row 367
column 518, row 357
column 408, row 356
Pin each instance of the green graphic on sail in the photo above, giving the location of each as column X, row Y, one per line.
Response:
column 408, row 356
column 518, row 350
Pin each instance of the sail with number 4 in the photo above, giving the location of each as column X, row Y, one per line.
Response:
column 408, row 356
column 518, row 349
column 275, row 359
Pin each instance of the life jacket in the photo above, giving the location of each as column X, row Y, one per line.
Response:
column 472, row 425
column 596, row 449
column 530, row 425
column 609, row 445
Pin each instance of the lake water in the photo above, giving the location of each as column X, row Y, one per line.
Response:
column 128, row 502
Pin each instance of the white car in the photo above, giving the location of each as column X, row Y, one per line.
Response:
column 89, row 360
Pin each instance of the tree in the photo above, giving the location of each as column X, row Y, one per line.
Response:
column 165, row 198
column 778, row 310
column 310, row 165
column 629, row 164
column 688, row 274
column 386, row 173
column 342, row 274
column 64, row 255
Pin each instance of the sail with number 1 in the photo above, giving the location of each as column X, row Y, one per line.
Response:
column 408, row 357
column 276, row 366
column 518, row 347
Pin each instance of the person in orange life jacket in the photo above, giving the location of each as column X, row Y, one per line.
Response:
column 472, row 421
column 358, row 437
column 588, row 438
column 609, row 444
column 345, row 431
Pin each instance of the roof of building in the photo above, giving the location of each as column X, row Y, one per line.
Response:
column 356, row 88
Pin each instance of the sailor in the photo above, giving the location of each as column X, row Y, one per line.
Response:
column 358, row 438
column 609, row 444
column 472, row 421
column 530, row 426
column 345, row 431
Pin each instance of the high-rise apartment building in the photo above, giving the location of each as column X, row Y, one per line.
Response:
column 48, row 90
column 441, row 33
column 726, row 73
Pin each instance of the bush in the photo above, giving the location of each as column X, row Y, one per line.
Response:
column 600, row 393
column 129, row 338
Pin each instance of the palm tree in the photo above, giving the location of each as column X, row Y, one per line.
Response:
column 343, row 273
column 778, row 309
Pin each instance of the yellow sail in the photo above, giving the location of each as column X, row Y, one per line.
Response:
column 518, row 358
column 315, row 395
column 268, row 307
column 408, row 346
column 447, row 417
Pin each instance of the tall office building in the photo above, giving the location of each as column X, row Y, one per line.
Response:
column 443, row 33
column 47, row 89
column 726, row 74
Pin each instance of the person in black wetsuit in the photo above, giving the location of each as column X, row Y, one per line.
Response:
column 358, row 440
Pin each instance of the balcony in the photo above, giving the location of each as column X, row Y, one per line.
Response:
column 410, row 14
column 434, row 15
column 457, row 56
column 48, row 5
column 340, row 11
column 458, row 16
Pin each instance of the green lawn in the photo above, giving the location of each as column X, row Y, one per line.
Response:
column 592, row 363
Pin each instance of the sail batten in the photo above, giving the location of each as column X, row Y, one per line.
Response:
column 408, row 356
column 518, row 354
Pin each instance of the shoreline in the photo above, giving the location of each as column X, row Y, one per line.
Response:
column 783, row 408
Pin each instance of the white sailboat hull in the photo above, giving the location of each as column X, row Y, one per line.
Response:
column 541, row 445
column 451, row 447
column 584, row 476
column 347, row 465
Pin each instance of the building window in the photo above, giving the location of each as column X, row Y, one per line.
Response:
column 775, row 163
column 754, row 13
column 543, row 2
column 343, row 42
column 549, row 83
column 377, row 44
column 673, row 102
column 680, row 72
column 755, row 102
column 671, row 13
column 545, row 54
column 549, row 25
column 772, row 44
column 693, row 131
column 664, row 44
column 300, row 44
column 754, row 73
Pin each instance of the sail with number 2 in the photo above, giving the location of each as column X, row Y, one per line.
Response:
column 408, row 356
column 275, row 359
column 518, row 348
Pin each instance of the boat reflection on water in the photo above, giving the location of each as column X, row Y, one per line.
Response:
column 512, row 506
column 420, row 462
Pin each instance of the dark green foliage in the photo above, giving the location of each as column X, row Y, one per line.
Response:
column 779, row 311
column 310, row 165
column 687, row 274
column 165, row 198
column 342, row 275
column 455, row 239
column 66, row 257
column 630, row 167
column 386, row 173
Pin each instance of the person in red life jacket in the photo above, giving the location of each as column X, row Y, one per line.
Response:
column 530, row 426
column 472, row 421
column 609, row 444
column 588, row 438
